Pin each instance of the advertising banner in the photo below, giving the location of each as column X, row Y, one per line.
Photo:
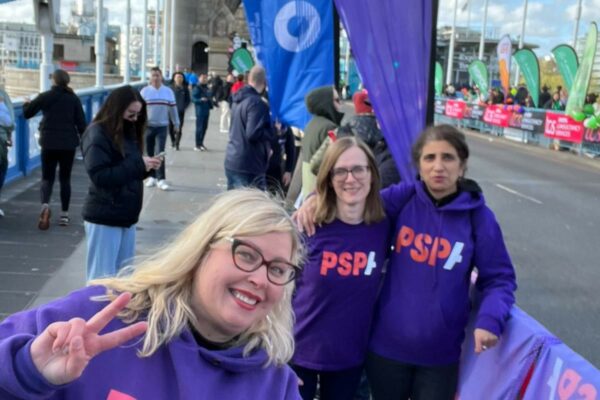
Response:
column 398, row 35
column 475, row 111
column 578, row 92
column 455, row 108
column 439, row 79
column 567, row 63
column 241, row 60
column 497, row 115
column 439, row 106
column 530, row 68
column 530, row 120
column 479, row 73
column 293, row 40
column 560, row 373
column 563, row 127
column 504, row 51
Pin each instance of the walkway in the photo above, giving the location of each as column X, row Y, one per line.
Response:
column 37, row 266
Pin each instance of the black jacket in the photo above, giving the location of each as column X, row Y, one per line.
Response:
column 250, row 135
column 116, row 189
column 63, row 119
column 182, row 97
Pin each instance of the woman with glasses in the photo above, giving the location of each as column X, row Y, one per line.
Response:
column 112, row 153
column 336, row 293
column 207, row 317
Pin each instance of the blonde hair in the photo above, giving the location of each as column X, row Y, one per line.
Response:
column 326, row 197
column 162, row 284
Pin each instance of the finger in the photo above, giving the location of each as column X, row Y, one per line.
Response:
column 478, row 345
column 61, row 333
column 78, row 326
column 104, row 316
column 120, row 336
column 77, row 360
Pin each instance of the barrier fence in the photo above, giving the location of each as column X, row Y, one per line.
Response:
column 24, row 155
column 546, row 128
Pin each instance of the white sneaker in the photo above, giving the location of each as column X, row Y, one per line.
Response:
column 150, row 182
column 162, row 185
column 1, row 213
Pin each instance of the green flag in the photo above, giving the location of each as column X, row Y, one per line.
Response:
column 584, row 72
column 479, row 73
column 566, row 61
column 530, row 68
column 439, row 78
column 241, row 60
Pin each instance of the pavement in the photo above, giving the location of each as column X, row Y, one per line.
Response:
column 38, row 266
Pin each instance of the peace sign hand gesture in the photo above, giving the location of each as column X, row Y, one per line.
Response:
column 64, row 349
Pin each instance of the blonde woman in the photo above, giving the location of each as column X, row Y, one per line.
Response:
column 200, row 320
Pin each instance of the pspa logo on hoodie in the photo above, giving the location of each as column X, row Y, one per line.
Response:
column 423, row 248
column 348, row 263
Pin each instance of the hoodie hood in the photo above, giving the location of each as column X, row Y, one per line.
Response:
column 244, row 93
column 362, row 104
column 469, row 197
column 320, row 102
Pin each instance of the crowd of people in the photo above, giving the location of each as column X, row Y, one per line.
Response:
column 365, row 291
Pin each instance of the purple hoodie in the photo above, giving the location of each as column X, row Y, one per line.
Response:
column 424, row 303
column 336, row 294
column 180, row 369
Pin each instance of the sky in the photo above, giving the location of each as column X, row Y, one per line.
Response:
column 549, row 22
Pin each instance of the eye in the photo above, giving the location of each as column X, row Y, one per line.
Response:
column 278, row 270
column 448, row 157
column 429, row 157
column 246, row 255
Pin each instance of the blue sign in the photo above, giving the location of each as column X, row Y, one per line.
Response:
column 294, row 42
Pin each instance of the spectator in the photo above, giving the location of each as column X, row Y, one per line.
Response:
column 201, row 319
column 544, row 96
column 182, row 99
column 162, row 109
column 250, row 137
column 202, row 99
column 554, row 103
column 325, row 106
column 224, row 99
column 113, row 156
column 62, row 124
column 238, row 84
column 282, row 161
column 7, row 125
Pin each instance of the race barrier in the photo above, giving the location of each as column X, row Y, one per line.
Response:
column 540, row 127
column 24, row 155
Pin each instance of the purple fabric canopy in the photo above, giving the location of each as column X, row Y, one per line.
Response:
column 391, row 43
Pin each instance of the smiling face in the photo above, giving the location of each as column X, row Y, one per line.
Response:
column 352, row 190
column 440, row 167
column 226, row 300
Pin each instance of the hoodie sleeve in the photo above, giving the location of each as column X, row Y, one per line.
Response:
column 395, row 197
column 34, row 106
column 496, row 280
column 258, row 125
column 79, row 117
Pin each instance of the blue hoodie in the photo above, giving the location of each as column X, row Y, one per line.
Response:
column 424, row 303
column 180, row 369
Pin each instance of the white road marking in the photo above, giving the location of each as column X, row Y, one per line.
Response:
column 512, row 191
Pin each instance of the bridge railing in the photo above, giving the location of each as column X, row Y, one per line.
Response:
column 24, row 155
column 545, row 128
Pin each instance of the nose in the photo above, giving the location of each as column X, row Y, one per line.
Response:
column 350, row 177
column 258, row 277
column 438, row 164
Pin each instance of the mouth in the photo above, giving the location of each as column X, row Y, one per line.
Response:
column 245, row 299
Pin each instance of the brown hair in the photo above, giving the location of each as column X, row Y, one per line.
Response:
column 326, row 196
column 444, row 132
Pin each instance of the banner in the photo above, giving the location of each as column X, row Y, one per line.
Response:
column 294, row 42
column 475, row 111
column 563, row 127
column 504, row 51
column 455, row 108
column 530, row 120
column 530, row 68
column 560, row 373
column 567, row 63
column 497, row 115
column 578, row 91
column 439, row 106
column 439, row 78
column 241, row 60
column 479, row 74
column 391, row 43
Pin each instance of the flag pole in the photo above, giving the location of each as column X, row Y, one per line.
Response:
column 483, row 26
column 451, row 50
column 521, row 38
column 576, row 28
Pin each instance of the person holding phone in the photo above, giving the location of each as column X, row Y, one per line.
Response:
column 112, row 149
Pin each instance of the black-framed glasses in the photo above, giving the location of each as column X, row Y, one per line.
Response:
column 359, row 172
column 248, row 258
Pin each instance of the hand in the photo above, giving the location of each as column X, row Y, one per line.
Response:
column 484, row 340
column 152, row 162
column 286, row 178
column 64, row 349
column 305, row 216
column 9, row 142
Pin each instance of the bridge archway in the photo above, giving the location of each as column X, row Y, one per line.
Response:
column 200, row 57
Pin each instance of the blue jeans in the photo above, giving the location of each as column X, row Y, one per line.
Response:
column 237, row 180
column 201, row 126
column 109, row 248
column 156, row 135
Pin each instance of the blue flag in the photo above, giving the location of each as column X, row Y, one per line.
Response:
column 294, row 43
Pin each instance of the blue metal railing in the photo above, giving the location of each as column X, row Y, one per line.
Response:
column 24, row 155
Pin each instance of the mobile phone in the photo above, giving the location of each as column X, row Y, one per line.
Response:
column 160, row 155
